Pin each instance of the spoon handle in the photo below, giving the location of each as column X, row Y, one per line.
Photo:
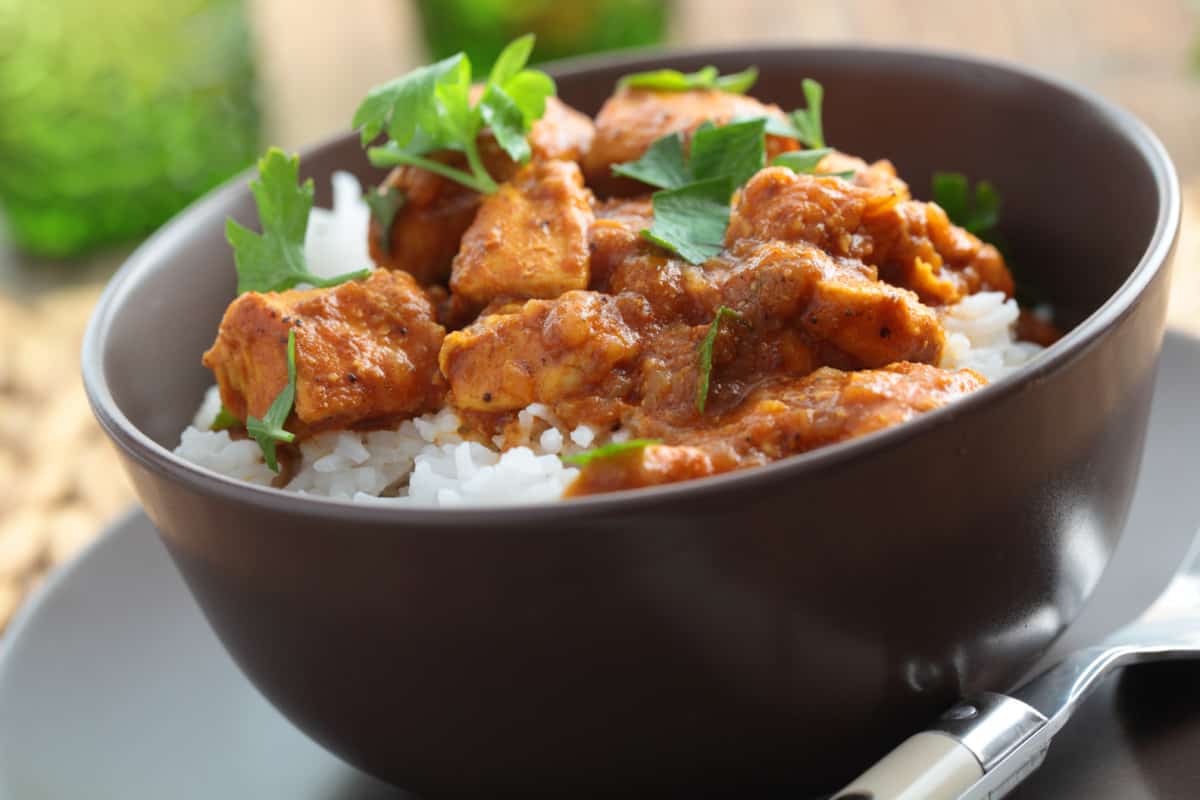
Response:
column 927, row 766
column 952, row 757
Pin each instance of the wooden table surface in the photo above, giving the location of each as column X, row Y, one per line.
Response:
column 59, row 482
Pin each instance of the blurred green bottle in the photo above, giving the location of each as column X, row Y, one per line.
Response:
column 564, row 28
column 114, row 114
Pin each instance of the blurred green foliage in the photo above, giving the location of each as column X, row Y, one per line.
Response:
column 564, row 28
column 115, row 114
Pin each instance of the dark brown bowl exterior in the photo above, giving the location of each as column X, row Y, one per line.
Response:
column 771, row 630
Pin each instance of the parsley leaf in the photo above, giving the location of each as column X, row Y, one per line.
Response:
column 691, row 212
column 609, row 450
column 671, row 80
column 268, row 431
column 692, row 219
column 224, row 420
column 705, row 354
column 501, row 112
column 802, row 161
column 804, row 124
column 512, row 59
column 776, row 126
column 736, row 151
column 274, row 260
column 662, row 165
column 738, row 82
column 806, row 162
column 807, row 121
column 979, row 214
column 430, row 109
column 385, row 202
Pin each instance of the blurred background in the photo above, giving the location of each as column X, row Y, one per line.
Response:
column 115, row 115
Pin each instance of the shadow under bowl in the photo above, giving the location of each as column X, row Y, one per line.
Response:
column 768, row 630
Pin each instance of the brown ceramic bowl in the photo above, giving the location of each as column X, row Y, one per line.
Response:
column 773, row 629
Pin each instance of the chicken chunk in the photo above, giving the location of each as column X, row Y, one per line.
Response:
column 782, row 419
column 616, row 234
column 529, row 240
column 675, row 289
column 913, row 244
column 624, row 261
column 426, row 231
column 425, row 234
column 366, row 351
column 798, row 309
column 838, row 301
column 633, row 119
column 579, row 345
column 880, row 175
column 652, row 465
column 562, row 134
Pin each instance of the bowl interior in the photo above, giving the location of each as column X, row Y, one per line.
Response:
column 1058, row 158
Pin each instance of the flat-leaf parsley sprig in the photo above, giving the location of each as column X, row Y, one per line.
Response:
column 606, row 451
column 691, row 208
column 704, row 355
column 807, row 161
column 269, row 431
column 672, row 80
column 978, row 214
column 430, row 109
column 273, row 260
column 807, row 123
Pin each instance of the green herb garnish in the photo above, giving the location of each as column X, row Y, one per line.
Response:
column 804, row 124
column 979, row 214
column 692, row 219
column 806, row 162
column 609, row 450
column 732, row 151
column 663, row 164
column 430, row 109
column 384, row 203
column 691, row 210
column 671, row 80
column 273, row 260
column 268, row 431
column 224, row 420
column 807, row 121
column 705, row 354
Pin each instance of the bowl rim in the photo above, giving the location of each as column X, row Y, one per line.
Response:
column 141, row 448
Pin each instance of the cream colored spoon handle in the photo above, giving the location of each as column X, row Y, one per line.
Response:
column 980, row 748
column 928, row 766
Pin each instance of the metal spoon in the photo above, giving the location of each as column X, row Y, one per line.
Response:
column 984, row 746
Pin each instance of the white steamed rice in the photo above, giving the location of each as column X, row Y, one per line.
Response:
column 425, row 462
column 441, row 468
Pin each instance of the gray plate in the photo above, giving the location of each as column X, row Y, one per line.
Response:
column 113, row 686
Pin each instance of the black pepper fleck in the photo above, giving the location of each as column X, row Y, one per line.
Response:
column 487, row 397
column 350, row 376
column 885, row 332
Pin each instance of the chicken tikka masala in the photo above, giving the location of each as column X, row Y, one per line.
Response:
column 693, row 269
